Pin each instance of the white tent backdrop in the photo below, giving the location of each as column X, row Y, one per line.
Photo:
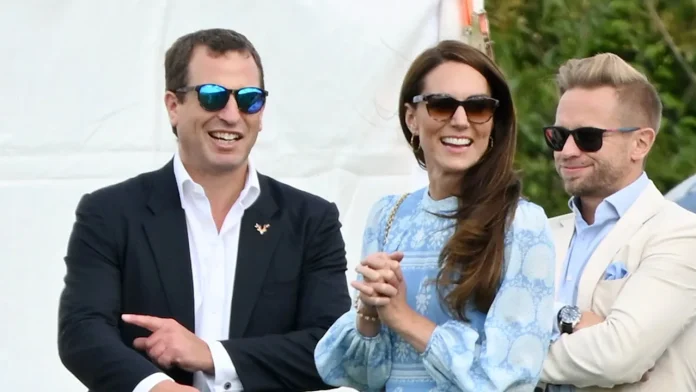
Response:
column 82, row 107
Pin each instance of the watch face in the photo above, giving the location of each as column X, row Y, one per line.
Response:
column 570, row 314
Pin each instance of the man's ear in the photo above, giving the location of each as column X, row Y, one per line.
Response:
column 643, row 141
column 260, row 115
column 171, row 102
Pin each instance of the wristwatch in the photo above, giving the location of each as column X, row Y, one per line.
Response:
column 568, row 318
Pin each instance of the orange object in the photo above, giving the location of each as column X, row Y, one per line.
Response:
column 483, row 22
column 466, row 10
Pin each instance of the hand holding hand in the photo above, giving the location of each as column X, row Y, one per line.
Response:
column 171, row 386
column 170, row 344
column 383, row 288
column 381, row 278
column 397, row 308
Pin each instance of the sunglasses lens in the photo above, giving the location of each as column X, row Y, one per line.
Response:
column 589, row 139
column 213, row 97
column 586, row 139
column 479, row 110
column 556, row 138
column 442, row 109
column 250, row 99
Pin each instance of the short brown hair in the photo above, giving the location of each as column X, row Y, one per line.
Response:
column 639, row 101
column 218, row 41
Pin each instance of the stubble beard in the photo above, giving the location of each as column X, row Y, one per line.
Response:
column 600, row 183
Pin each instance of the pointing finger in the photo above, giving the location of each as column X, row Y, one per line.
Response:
column 147, row 322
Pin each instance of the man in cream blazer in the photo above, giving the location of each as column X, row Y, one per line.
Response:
column 626, row 256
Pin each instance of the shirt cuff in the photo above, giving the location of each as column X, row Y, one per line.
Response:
column 225, row 378
column 556, row 328
column 150, row 381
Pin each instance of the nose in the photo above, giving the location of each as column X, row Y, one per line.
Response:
column 230, row 113
column 459, row 118
column 570, row 149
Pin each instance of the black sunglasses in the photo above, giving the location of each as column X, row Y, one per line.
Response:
column 588, row 139
column 441, row 107
column 213, row 97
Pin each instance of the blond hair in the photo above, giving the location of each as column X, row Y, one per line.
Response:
column 638, row 99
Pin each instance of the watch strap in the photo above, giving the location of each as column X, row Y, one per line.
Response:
column 566, row 328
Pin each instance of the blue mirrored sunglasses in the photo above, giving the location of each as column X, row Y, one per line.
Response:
column 213, row 97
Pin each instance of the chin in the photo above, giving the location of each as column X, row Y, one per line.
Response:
column 574, row 188
column 462, row 165
column 455, row 169
column 226, row 163
column 573, row 181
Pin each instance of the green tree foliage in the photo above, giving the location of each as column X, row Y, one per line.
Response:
column 533, row 38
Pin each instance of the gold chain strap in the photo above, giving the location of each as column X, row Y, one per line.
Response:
column 390, row 220
column 387, row 229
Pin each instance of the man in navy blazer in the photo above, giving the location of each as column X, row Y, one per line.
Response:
column 203, row 275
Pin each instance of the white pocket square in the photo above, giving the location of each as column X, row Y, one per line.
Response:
column 616, row 270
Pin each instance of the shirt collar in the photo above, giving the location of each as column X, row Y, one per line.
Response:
column 187, row 187
column 619, row 201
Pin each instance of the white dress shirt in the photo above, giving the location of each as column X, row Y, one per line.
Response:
column 213, row 265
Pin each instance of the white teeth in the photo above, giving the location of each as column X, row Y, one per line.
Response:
column 225, row 136
column 457, row 141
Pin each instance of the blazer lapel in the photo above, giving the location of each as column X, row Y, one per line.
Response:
column 260, row 230
column 645, row 207
column 563, row 228
column 168, row 237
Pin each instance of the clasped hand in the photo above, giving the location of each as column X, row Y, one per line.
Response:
column 382, row 290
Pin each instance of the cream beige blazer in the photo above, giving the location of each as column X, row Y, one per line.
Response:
column 649, row 313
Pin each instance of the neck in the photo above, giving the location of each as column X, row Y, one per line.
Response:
column 441, row 186
column 588, row 204
column 221, row 188
column 588, row 207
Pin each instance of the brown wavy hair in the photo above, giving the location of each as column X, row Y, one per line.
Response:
column 472, row 260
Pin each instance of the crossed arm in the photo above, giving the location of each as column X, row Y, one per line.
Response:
column 653, row 308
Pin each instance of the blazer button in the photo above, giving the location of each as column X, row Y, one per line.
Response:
column 227, row 385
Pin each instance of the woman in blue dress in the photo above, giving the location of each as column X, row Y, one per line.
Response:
column 456, row 282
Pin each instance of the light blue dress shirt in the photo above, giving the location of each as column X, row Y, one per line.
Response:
column 585, row 241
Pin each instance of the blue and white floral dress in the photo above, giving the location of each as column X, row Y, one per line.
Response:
column 500, row 351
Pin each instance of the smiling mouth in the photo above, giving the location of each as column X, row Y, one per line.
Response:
column 573, row 167
column 572, row 170
column 456, row 141
column 225, row 136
